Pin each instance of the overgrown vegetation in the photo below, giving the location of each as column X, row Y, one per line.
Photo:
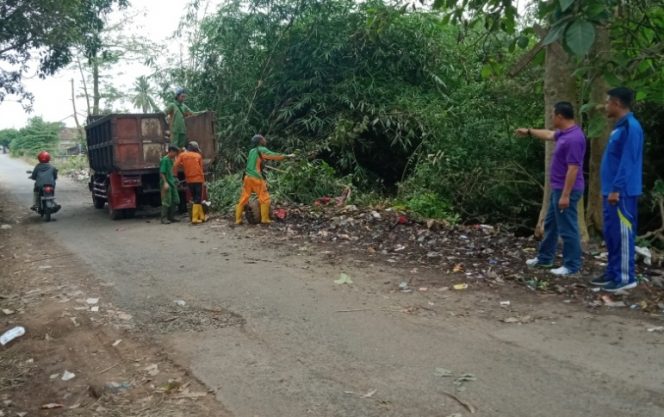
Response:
column 374, row 95
column 36, row 136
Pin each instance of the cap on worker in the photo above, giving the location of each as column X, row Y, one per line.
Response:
column 179, row 91
column 256, row 140
column 194, row 145
column 43, row 157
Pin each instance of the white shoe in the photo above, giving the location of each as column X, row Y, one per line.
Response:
column 562, row 271
column 532, row 262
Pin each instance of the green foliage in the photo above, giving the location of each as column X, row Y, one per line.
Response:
column 74, row 163
column 35, row 137
column 225, row 192
column 301, row 181
column 7, row 136
column 46, row 29
column 430, row 205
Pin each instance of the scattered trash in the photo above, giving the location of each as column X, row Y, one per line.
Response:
column 423, row 289
column 455, row 415
column 7, row 312
column 92, row 301
column 5, row 227
column 505, row 303
column 462, row 380
column 460, row 287
column 280, row 213
column 343, row 279
column 606, row 299
column 465, row 404
column 68, row 376
column 124, row 316
column 117, row 387
column 94, row 309
column 458, row 268
column 656, row 329
column 152, row 370
column 12, row 334
column 443, row 373
column 403, row 286
column 117, row 342
column 645, row 254
column 181, row 303
column 51, row 406
column 370, row 393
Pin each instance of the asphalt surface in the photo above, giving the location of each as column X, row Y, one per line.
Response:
column 302, row 345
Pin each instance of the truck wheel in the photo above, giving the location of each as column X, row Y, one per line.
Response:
column 129, row 213
column 98, row 202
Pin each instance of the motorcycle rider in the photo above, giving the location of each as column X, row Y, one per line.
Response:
column 43, row 174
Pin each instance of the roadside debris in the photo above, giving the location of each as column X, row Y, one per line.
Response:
column 12, row 334
column 461, row 381
column 5, row 227
column 181, row 303
column 468, row 406
column 460, row 287
column 643, row 252
column 609, row 302
column 443, row 373
column 659, row 329
column 92, row 301
column 343, row 279
column 51, row 406
column 68, row 376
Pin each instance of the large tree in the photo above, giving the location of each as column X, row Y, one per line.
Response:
column 42, row 33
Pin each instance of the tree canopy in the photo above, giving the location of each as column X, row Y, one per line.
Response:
column 42, row 33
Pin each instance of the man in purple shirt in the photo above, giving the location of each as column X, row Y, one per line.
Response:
column 566, row 190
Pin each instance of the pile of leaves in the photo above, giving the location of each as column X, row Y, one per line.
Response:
column 479, row 255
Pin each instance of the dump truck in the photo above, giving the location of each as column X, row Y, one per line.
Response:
column 124, row 152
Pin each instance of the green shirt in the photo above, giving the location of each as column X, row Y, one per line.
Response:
column 166, row 169
column 255, row 160
column 178, row 111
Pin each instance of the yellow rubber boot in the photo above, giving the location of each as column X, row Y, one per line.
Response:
column 265, row 214
column 239, row 211
column 195, row 209
column 201, row 214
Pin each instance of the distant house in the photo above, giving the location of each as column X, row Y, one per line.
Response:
column 70, row 141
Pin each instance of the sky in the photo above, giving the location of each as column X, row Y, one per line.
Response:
column 156, row 21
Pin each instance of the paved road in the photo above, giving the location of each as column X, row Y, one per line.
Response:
column 293, row 354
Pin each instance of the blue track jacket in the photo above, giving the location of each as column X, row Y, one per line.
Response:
column 622, row 164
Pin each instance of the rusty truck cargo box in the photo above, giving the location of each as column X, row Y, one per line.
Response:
column 201, row 128
column 126, row 142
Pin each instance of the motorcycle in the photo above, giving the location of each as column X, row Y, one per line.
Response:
column 47, row 205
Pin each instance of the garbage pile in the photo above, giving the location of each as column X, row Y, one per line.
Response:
column 479, row 254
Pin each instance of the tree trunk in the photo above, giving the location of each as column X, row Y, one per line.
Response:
column 85, row 85
column 73, row 103
column 599, row 139
column 559, row 85
column 95, row 86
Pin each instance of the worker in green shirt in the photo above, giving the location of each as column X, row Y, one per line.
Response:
column 170, row 198
column 254, row 182
column 176, row 113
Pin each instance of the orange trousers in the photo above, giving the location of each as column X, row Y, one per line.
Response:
column 254, row 185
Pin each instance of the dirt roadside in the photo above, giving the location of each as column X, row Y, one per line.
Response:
column 72, row 329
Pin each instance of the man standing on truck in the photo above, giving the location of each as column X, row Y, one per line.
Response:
column 192, row 162
column 254, row 181
column 169, row 190
column 176, row 113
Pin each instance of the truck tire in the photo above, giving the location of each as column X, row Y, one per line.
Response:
column 129, row 213
column 98, row 202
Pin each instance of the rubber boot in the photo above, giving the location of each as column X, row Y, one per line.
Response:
column 201, row 214
column 265, row 214
column 239, row 211
column 171, row 214
column 164, row 215
column 194, row 213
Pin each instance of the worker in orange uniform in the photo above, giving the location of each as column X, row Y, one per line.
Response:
column 191, row 161
column 254, row 181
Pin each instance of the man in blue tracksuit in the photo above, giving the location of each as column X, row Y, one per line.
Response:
column 621, row 176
